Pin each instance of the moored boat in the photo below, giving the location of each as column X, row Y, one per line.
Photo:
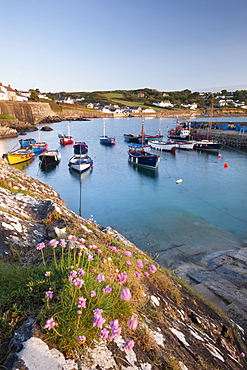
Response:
column 80, row 162
column 106, row 140
column 66, row 139
column 18, row 155
column 185, row 145
column 24, row 143
column 80, row 147
column 207, row 145
column 39, row 147
column 140, row 147
column 144, row 159
column 169, row 146
column 50, row 157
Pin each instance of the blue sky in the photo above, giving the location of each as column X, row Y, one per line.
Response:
column 80, row 45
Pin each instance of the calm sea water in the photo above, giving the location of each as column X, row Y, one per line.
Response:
column 175, row 222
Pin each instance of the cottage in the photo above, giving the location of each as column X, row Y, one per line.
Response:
column 66, row 100
column 7, row 93
column 164, row 104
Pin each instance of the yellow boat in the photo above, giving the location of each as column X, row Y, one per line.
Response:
column 18, row 156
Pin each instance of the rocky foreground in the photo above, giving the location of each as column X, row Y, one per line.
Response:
column 178, row 329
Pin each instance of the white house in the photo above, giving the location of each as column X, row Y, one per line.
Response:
column 20, row 97
column 164, row 104
column 189, row 106
column 7, row 93
column 66, row 100
column 148, row 110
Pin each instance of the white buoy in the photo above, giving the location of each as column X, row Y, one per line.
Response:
column 179, row 181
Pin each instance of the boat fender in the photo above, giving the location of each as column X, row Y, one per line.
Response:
column 179, row 181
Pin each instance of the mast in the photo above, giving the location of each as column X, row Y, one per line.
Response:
column 211, row 117
column 104, row 128
column 143, row 134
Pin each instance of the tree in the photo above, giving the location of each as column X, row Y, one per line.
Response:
column 34, row 96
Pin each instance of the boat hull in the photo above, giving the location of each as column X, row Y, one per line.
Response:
column 39, row 147
column 19, row 156
column 66, row 140
column 80, row 147
column 24, row 143
column 163, row 145
column 80, row 163
column 207, row 145
column 107, row 140
column 50, row 157
column 144, row 159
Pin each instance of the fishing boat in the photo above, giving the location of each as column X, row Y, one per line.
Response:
column 130, row 138
column 80, row 162
column 19, row 155
column 145, row 147
column 39, row 146
column 106, row 140
column 66, row 139
column 180, row 132
column 166, row 146
column 143, row 158
column 24, row 143
column 80, row 147
column 50, row 157
column 185, row 145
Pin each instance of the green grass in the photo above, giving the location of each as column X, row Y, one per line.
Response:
column 113, row 95
column 5, row 116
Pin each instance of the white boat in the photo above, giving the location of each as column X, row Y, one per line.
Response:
column 185, row 145
column 140, row 147
column 80, row 162
column 169, row 146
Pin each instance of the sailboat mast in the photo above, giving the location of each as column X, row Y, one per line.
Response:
column 211, row 117
column 104, row 128
column 143, row 134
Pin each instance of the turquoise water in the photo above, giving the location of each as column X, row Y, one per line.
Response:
column 175, row 222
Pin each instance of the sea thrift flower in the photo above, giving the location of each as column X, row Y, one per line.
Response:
column 81, row 302
column 53, row 243
column 98, row 320
column 139, row 264
column 73, row 273
column 81, row 272
column 133, row 322
column 78, row 282
column 49, row 294
column 93, row 246
column 50, row 324
column 72, row 238
column 128, row 263
column 81, row 240
column 81, row 339
column 113, row 249
column 107, row 289
column 92, row 293
column 146, row 273
column 40, row 246
column 153, row 268
column 62, row 243
column 129, row 344
column 90, row 258
column 98, row 311
column 115, row 329
column 122, row 277
column 242, row 354
column 70, row 279
column 99, row 251
column 128, row 253
column 125, row 295
column 138, row 275
column 104, row 260
column 104, row 333
column 100, row 278
column 48, row 273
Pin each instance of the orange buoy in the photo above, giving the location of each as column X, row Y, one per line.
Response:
column 225, row 165
column 219, row 155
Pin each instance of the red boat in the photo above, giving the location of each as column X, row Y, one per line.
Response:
column 66, row 139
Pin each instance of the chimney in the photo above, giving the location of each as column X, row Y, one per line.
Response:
column 1, row 84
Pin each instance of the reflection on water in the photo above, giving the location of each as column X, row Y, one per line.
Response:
column 152, row 172
column 49, row 168
column 23, row 165
column 80, row 176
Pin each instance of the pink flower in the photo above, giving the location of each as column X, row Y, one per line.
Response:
column 107, row 289
column 73, row 273
column 93, row 246
column 128, row 253
column 137, row 275
column 98, row 311
column 104, row 260
column 242, row 354
column 92, row 293
column 78, row 282
column 49, row 294
column 62, row 243
column 100, row 278
column 133, row 322
column 72, row 238
column 98, row 320
column 81, row 302
column 122, row 277
column 81, row 272
column 81, row 240
column 48, row 273
column 40, row 246
column 152, row 268
column 81, row 339
column 90, row 258
column 104, row 333
column 146, row 273
column 115, row 329
column 50, row 324
column 70, row 279
column 139, row 264
column 128, row 263
column 53, row 243
column 99, row 251
column 126, row 295
column 113, row 249
column 129, row 344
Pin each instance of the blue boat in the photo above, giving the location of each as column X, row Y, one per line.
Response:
column 24, row 143
column 106, row 140
column 39, row 147
column 80, row 147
